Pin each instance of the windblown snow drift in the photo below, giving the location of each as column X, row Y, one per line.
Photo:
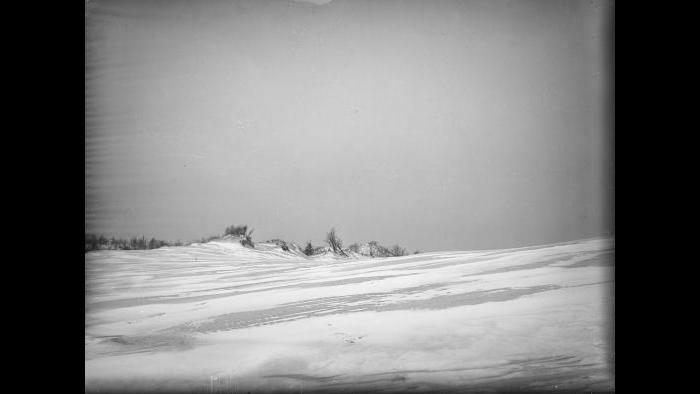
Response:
column 219, row 317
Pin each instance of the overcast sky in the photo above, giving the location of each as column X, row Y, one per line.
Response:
column 437, row 125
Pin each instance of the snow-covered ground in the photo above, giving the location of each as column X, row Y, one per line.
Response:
column 223, row 318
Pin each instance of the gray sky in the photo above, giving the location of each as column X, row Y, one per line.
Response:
column 438, row 125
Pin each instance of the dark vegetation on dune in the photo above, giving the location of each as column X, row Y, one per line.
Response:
column 333, row 241
column 100, row 242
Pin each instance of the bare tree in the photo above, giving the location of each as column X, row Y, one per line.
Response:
column 377, row 250
column 335, row 242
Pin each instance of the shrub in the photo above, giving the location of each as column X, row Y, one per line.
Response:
column 90, row 242
column 247, row 239
column 236, row 230
column 372, row 248
column 281, row 243
column 396, row 250
column 309, row 250
column 208, row 239
column 377, row 250
column 319, row 250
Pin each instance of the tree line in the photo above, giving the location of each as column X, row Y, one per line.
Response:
column 99, row 242
column 335, row 244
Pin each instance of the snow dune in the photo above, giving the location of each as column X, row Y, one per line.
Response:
column 219, row 317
